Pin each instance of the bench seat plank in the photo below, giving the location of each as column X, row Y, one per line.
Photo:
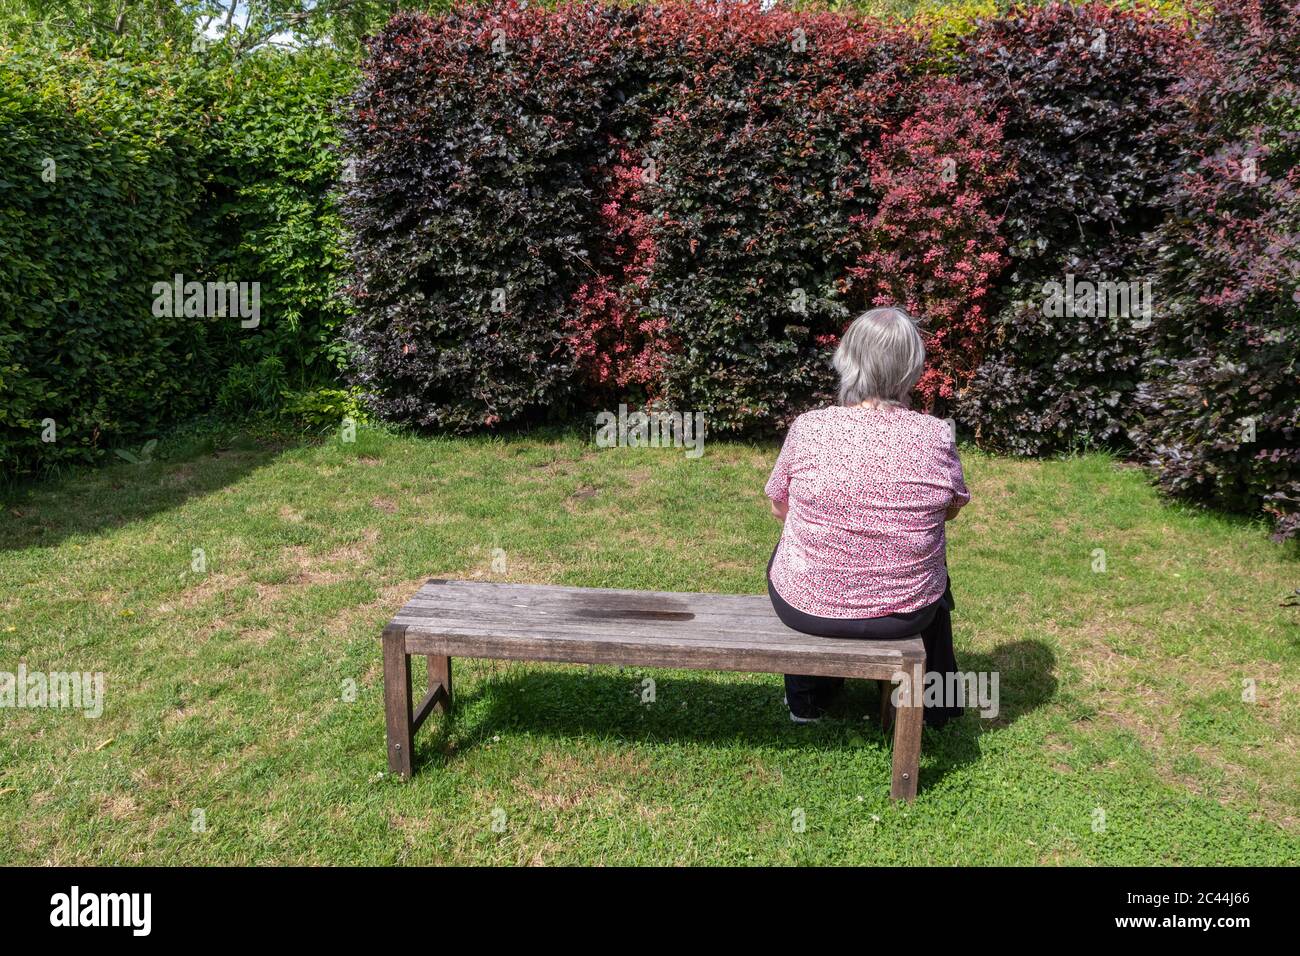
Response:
column 442, row 622
column 457, row 593
column 738, row 632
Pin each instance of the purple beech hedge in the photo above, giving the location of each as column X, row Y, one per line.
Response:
column 686, row 204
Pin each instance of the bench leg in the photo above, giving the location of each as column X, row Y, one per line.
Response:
column 909, row 718
column 440, row 675
column 397, row 700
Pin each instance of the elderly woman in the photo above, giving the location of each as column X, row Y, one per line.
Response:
column 864, row 489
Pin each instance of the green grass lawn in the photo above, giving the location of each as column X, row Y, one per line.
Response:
column 1123, row 736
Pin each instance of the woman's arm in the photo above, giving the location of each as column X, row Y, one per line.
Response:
column 950, row 466
column 778, row 486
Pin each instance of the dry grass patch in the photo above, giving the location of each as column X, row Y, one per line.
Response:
column 210, row 585
column 571, row 780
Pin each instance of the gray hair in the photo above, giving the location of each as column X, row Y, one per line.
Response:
column 880, row 358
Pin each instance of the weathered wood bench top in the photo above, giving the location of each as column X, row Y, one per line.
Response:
column 692, row 631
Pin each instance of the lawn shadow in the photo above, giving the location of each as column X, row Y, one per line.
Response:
column 42, row 514
column 576, row 701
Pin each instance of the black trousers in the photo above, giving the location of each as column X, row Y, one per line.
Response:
column 807, row 695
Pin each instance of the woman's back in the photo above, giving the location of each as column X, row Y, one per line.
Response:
column 868, row 492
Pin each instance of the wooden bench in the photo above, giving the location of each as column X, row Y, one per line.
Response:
column 726, row 632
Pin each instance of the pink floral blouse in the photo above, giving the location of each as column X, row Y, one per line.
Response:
column 868, row 490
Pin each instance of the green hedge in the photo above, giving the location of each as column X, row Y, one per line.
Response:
column 117, row 175
column 100, row 195
column 273, row 166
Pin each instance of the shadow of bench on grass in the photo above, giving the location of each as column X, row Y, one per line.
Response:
column 574, row 701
